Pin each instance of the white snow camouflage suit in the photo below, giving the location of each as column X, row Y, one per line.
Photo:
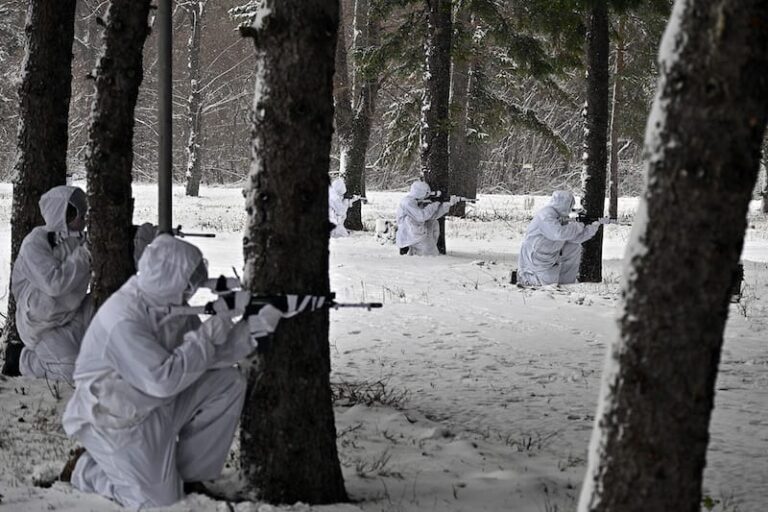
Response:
column 157, row 400
column 417, row 226
column 50, row 284
column 551, row 250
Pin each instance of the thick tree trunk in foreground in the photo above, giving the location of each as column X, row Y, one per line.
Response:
column 109, row 158
column 435, row 121
column 618, row 76
column 595, row 140
column 195, row 101
column 44, row 94
column 649, row 448
column 288, row 435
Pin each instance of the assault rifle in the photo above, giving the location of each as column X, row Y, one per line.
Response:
column 290, row 305
column 437, row 196
column 181, row 234
column 355, row 197
column 228, row 289
column 587, row 220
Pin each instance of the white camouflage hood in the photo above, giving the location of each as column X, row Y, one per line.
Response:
column 562, row 201
column 339, row 186
column 419, row 190
column 53, row 207
column 165, row 268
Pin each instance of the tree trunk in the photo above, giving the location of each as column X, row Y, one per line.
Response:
column 365, row 90
column 109, row 157
column 474, row 146
column 649, row 446
column 764, row 162
column 596, row 133
column 618, row 76
column 435, row 122
column 44, row 94
column 460, row 172
column 195, row 100
column 342, row 97
column 288, row 435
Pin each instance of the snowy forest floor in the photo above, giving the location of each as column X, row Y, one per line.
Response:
column 464, row 393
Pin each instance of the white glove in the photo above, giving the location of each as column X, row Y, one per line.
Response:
column 215, row 329
column 232, row 305
column 454, row 200
column 83, row 252
column 265, row 322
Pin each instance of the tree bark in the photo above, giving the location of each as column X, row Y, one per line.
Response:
column 195, row 101
column 355, row 106
column 460, row 171
column 595, row 140
column 618, row 77
column 435, row 120
column 44, row 95
column 109, row 157
column 764, row 163
column 366, row 87
column 649, row 445
column 288, row 435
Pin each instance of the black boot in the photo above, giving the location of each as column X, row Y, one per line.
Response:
column 69, row 467
column 12, row 356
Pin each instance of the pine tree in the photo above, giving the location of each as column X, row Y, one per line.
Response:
column 595, row 137
column 44, row 94
column 649, row 444
column 109, row 157
column 435, row 120
column 288, row 435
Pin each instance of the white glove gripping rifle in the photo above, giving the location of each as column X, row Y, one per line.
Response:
column 242, row 302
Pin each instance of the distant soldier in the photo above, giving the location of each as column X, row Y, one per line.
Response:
column 417, row 226
column 551, row 249
column 338, row 206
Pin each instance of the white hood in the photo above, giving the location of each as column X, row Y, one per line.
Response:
column 166, row 267
column 53, row 206
column 339, row 186
column 419, row 190
column 562, row 201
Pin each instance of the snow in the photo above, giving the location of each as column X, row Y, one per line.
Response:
column 482, row 395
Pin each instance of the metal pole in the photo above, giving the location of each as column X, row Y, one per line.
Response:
column 165, row 115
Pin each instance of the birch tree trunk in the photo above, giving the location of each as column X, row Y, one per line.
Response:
column 41, row 158
column 435, row 121
column 618, row 77
column 288, row 435
column 596, row 135
column 649, row 445
column 109, row 157
column 195, row 101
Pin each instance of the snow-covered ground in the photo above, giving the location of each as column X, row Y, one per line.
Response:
column 490, row 390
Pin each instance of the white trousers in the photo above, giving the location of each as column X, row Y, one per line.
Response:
column 187, row 440
column 53, row 355
column 428, row 245
column 565, row 271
